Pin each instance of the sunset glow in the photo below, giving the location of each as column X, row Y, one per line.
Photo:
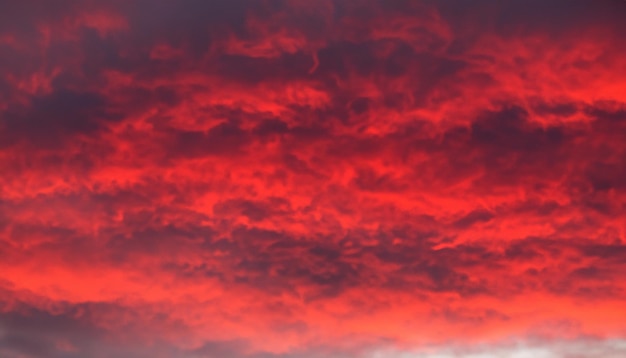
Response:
column 304, row 179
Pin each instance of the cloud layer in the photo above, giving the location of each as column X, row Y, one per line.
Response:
column 300, row 179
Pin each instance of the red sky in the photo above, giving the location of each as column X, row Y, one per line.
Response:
column 299, row 179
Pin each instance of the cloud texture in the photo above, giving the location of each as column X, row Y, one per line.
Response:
column 285, row 178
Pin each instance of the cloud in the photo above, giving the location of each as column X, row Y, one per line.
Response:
column 291, row 179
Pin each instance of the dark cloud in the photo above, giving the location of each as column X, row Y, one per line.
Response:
column 48, row 118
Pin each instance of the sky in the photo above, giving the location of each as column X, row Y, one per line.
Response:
column 308, row 179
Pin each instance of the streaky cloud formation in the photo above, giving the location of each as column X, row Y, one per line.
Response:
column 299, row 179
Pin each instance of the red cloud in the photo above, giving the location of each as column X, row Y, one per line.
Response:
column 279, row 178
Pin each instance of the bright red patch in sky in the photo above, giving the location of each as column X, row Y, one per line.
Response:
column 320, row 178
